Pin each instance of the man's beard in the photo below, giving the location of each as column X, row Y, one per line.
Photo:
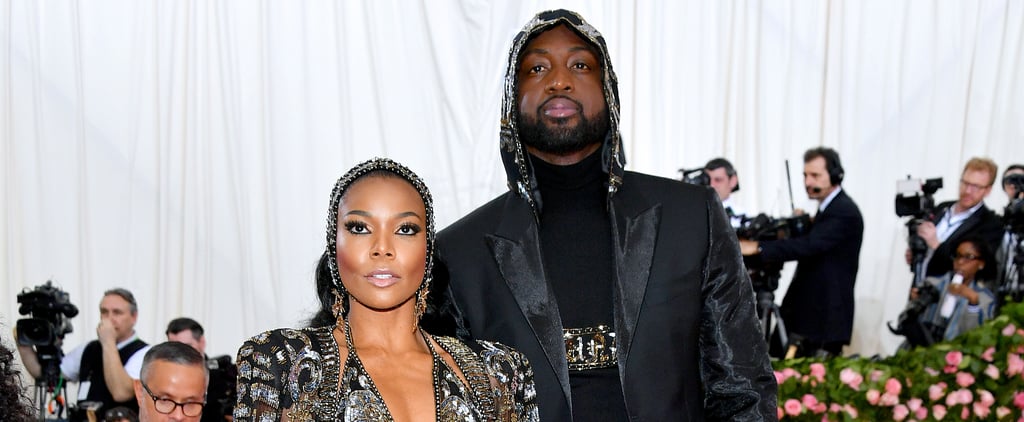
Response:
column 561, row 138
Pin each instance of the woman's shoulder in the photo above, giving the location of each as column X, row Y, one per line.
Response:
column 285, row 341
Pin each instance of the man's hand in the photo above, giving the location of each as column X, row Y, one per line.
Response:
column 748, row 247
column 106, row 333
column 926, row 229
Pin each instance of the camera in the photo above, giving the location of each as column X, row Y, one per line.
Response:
column 909, row 324
column 764, row 274
column 1013, row 214
column 914, row 198
column 51, row 310
column 696, row 176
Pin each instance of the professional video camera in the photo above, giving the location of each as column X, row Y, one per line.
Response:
column 696, row 176
column 914, row 199
column 1013, row 214
column 909, row 324
column 763, row 274
column 51, row 311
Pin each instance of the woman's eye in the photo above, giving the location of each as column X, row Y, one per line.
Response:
column 409, row 229
column 356, row 227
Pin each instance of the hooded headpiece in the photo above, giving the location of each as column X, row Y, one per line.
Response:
column 518, row 168
column 342, row 186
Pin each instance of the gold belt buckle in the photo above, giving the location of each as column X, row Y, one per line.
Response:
column 589, row 347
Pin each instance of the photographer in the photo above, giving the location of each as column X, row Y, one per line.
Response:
column 818, row 307
column 105, row 367
column 967, row 216
column 1013, row 186
column 722, row 177
column 220, row 393
column 961, row 299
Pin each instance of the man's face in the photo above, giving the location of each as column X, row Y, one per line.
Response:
column 119, row 312
column 186, row 336
column 1011, row 192
column 174, row 382
column 816, row 179
column 562, row 107
column 974, row 187
column 722, row 183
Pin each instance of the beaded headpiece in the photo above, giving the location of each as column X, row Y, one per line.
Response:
column 345, row 182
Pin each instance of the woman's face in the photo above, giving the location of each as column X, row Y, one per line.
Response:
column 382, row 242
column 967, row 260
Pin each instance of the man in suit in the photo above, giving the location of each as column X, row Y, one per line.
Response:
column 723, row 179
column 956, row 220
column 626, row 291
column 818, row 307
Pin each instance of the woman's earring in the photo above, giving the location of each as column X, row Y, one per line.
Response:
column 339, row 305
column 421, row 302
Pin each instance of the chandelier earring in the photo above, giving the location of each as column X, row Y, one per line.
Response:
column 339, row 307
column 421, row 301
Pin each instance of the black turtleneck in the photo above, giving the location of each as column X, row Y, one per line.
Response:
column 576, row 245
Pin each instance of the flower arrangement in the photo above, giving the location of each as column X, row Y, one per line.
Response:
column 977, row 376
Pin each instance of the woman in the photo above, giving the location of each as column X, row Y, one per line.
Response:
column 966, row 304
column 365, row 356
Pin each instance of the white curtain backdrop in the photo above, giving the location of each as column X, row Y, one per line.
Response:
column 185, row 150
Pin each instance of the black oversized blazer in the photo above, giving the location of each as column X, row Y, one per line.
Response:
column 984, row 224
column 689, row 344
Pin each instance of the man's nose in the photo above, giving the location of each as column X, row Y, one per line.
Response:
column 560, row 79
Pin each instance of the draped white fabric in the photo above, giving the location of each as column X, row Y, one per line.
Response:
column 185, row 150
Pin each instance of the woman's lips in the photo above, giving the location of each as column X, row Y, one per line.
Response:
column 382, row 279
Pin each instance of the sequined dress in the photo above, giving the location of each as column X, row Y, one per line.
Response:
column 295, row 372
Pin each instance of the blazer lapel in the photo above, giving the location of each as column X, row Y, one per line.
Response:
column 516, row 249
column 635, row 227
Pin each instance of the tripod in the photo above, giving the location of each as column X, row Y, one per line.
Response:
column 766, row 309
column 1011, row 281
column 50, row 383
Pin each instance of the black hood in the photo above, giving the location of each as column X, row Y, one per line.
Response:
column 518, row 168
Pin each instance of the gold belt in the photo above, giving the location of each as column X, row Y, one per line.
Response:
column 589, row 347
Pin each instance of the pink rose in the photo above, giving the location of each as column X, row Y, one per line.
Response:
column 779, row 412
column 964, row 379
column 851, row 378
column 936, row 392
column 792, row 407
column 850, row 410
column 900, row 412
column 989, row 354
column 779, row 378
column 949, row 369
column 888, row 400
column 876, row 375
column 931, row 371
column 939, row 412
column 914, row 404
column 892, row 386
column 1014, row 364
column 788, row 373
column 1018, row 400
column 808, row 400
column 954, row 358
column 819, row 408
column 1002, row 412
column 965, row 413
column 986, row 398
column 992, row 371
column 921, row 413
column 818, row 371
column 980, row 410
column 873, row 395
column 1009, row 329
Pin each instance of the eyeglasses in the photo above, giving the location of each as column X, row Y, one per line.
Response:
column 967, row 257
column 166, row 406
column 971, row 186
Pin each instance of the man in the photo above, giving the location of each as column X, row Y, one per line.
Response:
column 1012, row 178
column 220, row 396
column 955, row 221
column 105, row 367
column 723, row 178
column 173, row 384
column 624, row 290
column 818, row 307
